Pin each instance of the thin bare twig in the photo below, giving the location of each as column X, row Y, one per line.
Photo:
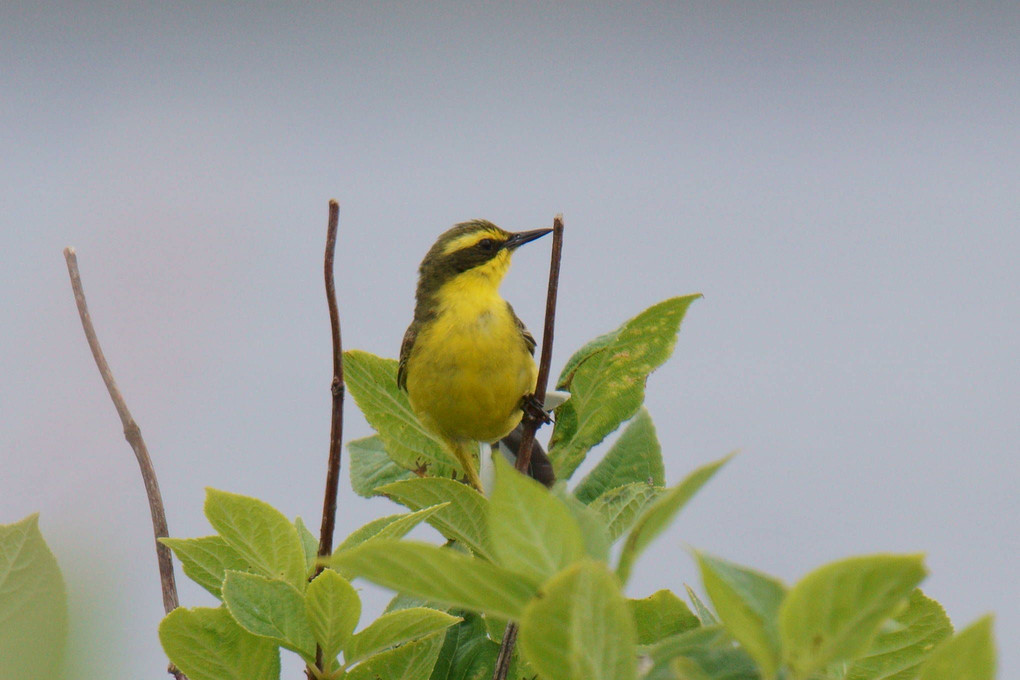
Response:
column 531, row 423
column 336, row 425
column 133, row 434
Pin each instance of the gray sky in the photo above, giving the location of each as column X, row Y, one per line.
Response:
column 842, row 183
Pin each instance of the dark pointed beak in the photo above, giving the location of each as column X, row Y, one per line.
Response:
column 520, row 238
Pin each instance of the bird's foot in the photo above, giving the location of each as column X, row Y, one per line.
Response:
column 534, row 409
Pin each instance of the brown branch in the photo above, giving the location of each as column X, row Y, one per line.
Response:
column 506, row 652
column 336, row 425
column 531, row 423
column 133, row 434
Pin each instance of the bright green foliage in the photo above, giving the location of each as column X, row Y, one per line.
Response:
column 682, row 668
column 606, row 379
column 465, row 518
column 259, row 533
column 412, row 661
column 657, row 516
column 897, row 652
column 270, row 608
column 748, row 604
column 661, row 615
column 441, row 575
column 206, row 560
column 593, row 528
column 579, row 628
column 309, row 542
column 634, row 457
column 33, row 604
column 372, row 467
column 836, row 611
column 621, row 507
column 700, row 653
column 396, row 628
column 540, row 557
column 968, row 655
column 700, row 608
column 333, row 609
column 207, row 644
column 467, row 653
column 532, row 531
column 495, row 626
column 393, row 526
column 257, row 566
column 372, row 382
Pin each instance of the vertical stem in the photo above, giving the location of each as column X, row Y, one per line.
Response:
column 530, row 423
column 336, row 425
column 506, row 647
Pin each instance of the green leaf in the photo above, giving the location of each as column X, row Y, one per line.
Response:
column 33, row 604
column 396, row 628
column 467, row 653
column 897, row 652
column 748, row 604
column 263, row 537
column 271, row 609
column 968, row 655
column 579, row 627
column 372, row 382
column 592, row 525
column 465, row 520
column 332, row 608
column 661, row 615
column 635, row 457
column 412, row 661
column 392, row 526
column 440, row 574
column 682, row 668
column 371, row 467
column 834, row 612
column 709, row 651
column 657, row 516
column 532, row 531
column 309, row 542
column 495, row 627
column 206, row 560
column 207, row 644
column 702, row 610
column 587, row 351
column 606, row 380
column 621, row 507
column 405, row 601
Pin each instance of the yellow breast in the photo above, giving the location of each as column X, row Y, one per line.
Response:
column 470, row 367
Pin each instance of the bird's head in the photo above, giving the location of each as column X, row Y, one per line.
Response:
column 476, row 251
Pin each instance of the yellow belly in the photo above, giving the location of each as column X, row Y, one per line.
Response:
column 468, row 371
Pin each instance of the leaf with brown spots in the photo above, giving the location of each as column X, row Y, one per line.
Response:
column 606, row 379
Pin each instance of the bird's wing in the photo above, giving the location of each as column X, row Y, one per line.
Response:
column 405, row 354
column 529, row 339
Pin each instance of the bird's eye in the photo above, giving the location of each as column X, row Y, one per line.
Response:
column 487, row 245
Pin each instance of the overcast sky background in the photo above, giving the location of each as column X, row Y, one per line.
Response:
column 842, row 184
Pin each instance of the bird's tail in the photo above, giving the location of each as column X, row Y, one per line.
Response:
column 540, row 468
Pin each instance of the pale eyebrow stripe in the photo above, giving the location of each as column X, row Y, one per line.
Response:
column 467, row 240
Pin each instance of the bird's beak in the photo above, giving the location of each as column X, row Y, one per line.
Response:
column 520, row 238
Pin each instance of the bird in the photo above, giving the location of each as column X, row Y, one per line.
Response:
column 467, row 360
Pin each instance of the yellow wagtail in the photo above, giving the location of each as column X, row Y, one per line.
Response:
column 467, row 362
